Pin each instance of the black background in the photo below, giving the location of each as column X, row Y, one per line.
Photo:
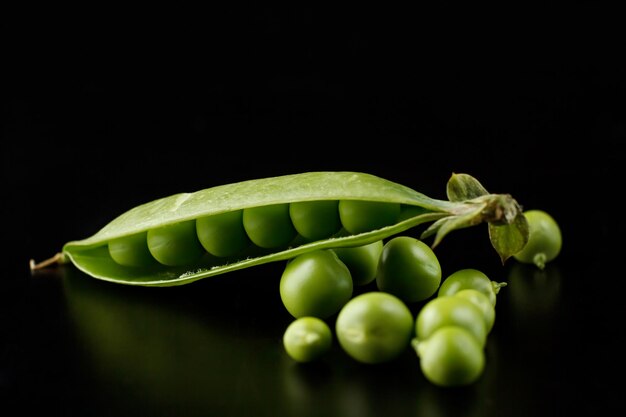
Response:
column 114, row 108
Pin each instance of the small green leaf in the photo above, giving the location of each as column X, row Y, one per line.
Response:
column 448, row 224
column 508, row 239
column 433, row 228
column 462, row 187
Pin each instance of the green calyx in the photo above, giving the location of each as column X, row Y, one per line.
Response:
column 508, row 228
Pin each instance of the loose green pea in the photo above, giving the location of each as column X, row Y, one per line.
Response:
column 374, row 327
column 315, row 284
column 269, row 226
column 175, row 244
column 131, row 250
column 408, row 269
column 483, row 303
column 451, row 357
column 363, row 216
column 307, row 338
column 450, row 311
column 544, row 239
column 315, row 220
column 362, row 261
column 222, row 234
column 470, row 278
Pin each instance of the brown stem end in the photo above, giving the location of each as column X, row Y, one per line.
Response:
column 53, row 261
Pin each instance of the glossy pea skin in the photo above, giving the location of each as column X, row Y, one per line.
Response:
column 222, row 234
column 175, row 244
column 470, row 278
column 269, row 226
column 450, row 311
column 374, row 327
column 315, row 284
column 131, row 250
column 363, row 216
column 362, row 261
column 451, row 357
column 307, row 338
column 483, row 303
column 315, row 220
column 408, row 269
column 544, row 239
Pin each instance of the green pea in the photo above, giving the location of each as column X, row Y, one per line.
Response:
column 450, row 311
column 131, row 250
column 175, row 244
column 544, row 239
column 222, row 234
column 315, row 284
column 451, row 357
column 483, row 303
column 315, row 220
column 362, row 261
column 409, row 269
column 470, row 278
column 374, row 327
column 269, row 226
column 363, row 216
column 307, row 338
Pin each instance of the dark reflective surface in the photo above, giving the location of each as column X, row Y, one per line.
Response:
column 214, row 348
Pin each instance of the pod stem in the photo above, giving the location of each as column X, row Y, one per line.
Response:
column 497, row 286
column 540, row 260
column 416, row 345
column 58, row 258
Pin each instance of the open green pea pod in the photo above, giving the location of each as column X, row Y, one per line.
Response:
column 189, row 236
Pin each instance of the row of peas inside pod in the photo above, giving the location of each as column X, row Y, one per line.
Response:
column 448, row 334
column 239, row 233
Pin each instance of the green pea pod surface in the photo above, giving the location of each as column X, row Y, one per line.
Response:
column 91, row 255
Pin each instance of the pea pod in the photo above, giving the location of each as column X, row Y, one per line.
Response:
column 92, row 255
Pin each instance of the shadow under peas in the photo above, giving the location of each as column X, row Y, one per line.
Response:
column 534, row 299
column 529, row 363
column 175, row 350
column 202, row 348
